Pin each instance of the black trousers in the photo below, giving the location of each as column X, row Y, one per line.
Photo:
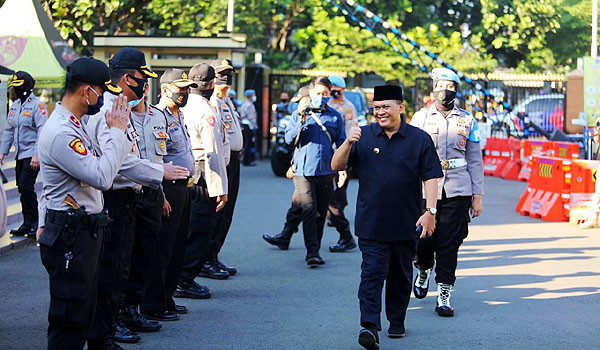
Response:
column 171, row 249
column 313, row 194
column 225, row 216
column 250, row 137
column 25, row 178
column 203, row 217
column 115, row 259
column 389, row 262
column 148, row 216
column 73, row 289
column 442, row 247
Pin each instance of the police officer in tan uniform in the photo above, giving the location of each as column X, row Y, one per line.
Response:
column 72, row 219
column 456, row 137
column 214, row 268
column 25, row 119
column 210, row 146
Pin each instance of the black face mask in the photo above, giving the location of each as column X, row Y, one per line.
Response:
column 335, row 93
column 179, row 98
column 139, row 89
column 207, row 93
column 22, row 92
column 445, row 98
column 224, row 80
column 284, row 101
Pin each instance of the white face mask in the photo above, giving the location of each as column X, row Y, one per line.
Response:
column 253, row 98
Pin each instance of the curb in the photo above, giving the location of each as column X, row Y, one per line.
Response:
column 10, row 243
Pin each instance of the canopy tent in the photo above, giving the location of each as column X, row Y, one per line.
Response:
column 30, row 42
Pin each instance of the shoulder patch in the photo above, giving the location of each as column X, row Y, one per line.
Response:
column 75, row 121
column 78, row 146
column 42, row 108
column 211, row 120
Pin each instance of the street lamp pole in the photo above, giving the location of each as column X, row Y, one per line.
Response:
column 594, row 51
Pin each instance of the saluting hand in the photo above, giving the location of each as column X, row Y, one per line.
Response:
column 355, row 133
column 174, row 172
column 119, row 116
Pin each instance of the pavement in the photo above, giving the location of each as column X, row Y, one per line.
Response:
column 522, row 283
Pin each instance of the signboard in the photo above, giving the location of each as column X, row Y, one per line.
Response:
column 591, row 88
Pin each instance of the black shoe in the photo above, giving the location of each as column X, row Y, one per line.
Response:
column 32, row 233
column 279, row 241
column 343, row 245
column 210, row 270
column 250, row 164
column 165, row 316
column 124, row 335
column 136, row 322
column 314, row 260
column 23, row 230
column 231, row 270
column 109, row 344
column 368, row 339
column 191, row 290
column 396, row 332
column 421, row 283
column 180, row 309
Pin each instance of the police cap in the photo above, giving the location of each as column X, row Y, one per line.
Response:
column 202, row 72
column 130, row 58
column 22, row 78
column 223, row 66
column 92, row 71
column 177, row 77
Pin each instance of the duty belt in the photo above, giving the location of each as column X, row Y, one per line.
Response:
column 189, row 182
column 453, row 163
column 89, row 221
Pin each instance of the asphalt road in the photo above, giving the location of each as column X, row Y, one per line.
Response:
column 522, row 284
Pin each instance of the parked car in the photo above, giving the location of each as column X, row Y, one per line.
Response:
column 545, row 111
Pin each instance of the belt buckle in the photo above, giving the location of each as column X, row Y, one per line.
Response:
column 190, row 182
column 445, row 164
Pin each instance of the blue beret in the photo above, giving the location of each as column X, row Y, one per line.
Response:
column 444, row 74
column 338, row 81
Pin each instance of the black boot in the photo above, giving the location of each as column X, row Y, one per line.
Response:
column 24, row 230
column 123, row 334
column 210, row 269
column 136, row 322
column 281, row 240
column 345, row 243
column 230, row 269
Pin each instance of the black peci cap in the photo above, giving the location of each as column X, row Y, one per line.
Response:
column 387, row 92
column 202, row 72
column 223, row 66
column 130, row 58
column 22, row 78
column 177, row 77
column 92, row 71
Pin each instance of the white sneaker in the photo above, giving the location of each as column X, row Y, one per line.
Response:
column 443, row 307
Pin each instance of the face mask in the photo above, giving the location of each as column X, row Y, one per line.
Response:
column 224, row 80
column 94, row 109
column 284, row 100
column 22, row 92
column 139, row 89
column 134, row 103
column 179, row 98
column 253, row 98
column 207, row 93
column 319, row 101
column 445, row 98
column 336, row 93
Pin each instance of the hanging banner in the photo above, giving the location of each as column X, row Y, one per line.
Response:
column 591, row 88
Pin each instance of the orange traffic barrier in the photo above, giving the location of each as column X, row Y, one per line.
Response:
column 565, row 150
column 532, row 148
column 583, row 186
column 512, row 166
column 548, row 194
column 493, row 155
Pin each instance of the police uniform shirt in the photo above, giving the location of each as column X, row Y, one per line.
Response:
column 150, row 129
column 346, row 110
column 455, row 136
column 70, row 165
column 179, row 150
column 23, row 125
column 231, row 118
column 313, row 157
column 209, row 142
column 134, row 172
column 249, row 113
column 390, row 175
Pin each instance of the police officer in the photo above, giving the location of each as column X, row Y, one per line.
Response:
column 392, row 159
column 314, row 130
column 150, row 126
column 164, row 273
column 129, row 71
column 249, row 126
column 72, row 220
column 25, row 119
column 214, row 268
column 456, row 137
column 210, row 146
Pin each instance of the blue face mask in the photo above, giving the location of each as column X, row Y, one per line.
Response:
column 95, row 109
column 134, row 103
column 319, row 101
